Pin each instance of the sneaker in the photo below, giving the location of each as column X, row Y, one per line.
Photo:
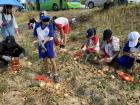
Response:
column 48, row 73
column 56, row 78
column 129, row 71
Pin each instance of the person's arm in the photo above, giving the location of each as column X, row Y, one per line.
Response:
column 1, row 50
column 115, row 54
column 20, row 51
column 103, row 45
column 15, row 26
column 129, row 54
column 126, row 51
column 1, row 20
column 62, row 32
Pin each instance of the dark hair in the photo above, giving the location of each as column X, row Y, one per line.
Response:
column 10, row 41
column 11, row 38
column 90, row 32
column 5, row 7
column 107, row 34
column 32, row 20
column 41, row 13
column 54, row 17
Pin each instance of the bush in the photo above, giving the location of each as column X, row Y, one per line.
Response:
column 3, row 87
column 82, row 1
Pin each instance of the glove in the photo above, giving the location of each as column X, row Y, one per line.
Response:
column 7, row 58
column 21, row 56
column 42, row 45
column 109, row 59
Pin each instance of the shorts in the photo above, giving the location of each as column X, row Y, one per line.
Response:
column 126, row 61
column 65, row 28
column 49, row 52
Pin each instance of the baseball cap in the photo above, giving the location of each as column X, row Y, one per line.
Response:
column 45, row 18
column 133, row 38
column 90, row 32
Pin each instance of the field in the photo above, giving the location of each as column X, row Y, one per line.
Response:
column 81, row 83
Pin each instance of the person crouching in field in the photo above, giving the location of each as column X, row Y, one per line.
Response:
column 62, row 24
column 110, row 47
column 9, row 49
column 92, row 45
column 45, row 34
column 131, row 52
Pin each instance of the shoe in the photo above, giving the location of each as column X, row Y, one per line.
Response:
column 48, row 73
column 56, row 78
column 129, row 71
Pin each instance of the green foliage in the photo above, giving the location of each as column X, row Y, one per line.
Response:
column 82, row 1
column 64, row 57
column 29, row 101
column 81, row 90
column 74, row 37
column 113, row 102
column 3, row 86
column 97, row 100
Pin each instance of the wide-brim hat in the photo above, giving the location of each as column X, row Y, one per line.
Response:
column 133, row 38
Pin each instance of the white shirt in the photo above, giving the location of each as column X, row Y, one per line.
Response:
column 112, row 46
column 61, row 20
column 42, row 33
column 8, row 19
column 91, row 44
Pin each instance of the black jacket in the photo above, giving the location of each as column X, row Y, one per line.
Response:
column 13, row 50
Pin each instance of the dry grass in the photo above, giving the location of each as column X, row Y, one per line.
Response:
column 81, row 80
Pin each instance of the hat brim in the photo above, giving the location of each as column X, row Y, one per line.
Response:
column 45, row 20
column 132, row 44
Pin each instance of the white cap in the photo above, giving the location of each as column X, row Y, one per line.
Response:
column 133, row 38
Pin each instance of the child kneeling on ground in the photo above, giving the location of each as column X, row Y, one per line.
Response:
column 10, row 49
column 110, row 47
column 91, row 46
column 131, row 51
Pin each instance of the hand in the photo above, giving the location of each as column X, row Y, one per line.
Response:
column 21, row 56
column 7, row 58
column 42, row 45
column 17, row 31
column 4, row 23
column 84, row 47
column 109, row 59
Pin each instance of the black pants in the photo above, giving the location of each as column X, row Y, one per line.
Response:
column 138, row 61
column 3, row 62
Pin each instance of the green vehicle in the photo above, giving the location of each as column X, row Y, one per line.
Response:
column 52, row 4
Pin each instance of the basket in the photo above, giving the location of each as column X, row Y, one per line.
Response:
column 15, row 64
